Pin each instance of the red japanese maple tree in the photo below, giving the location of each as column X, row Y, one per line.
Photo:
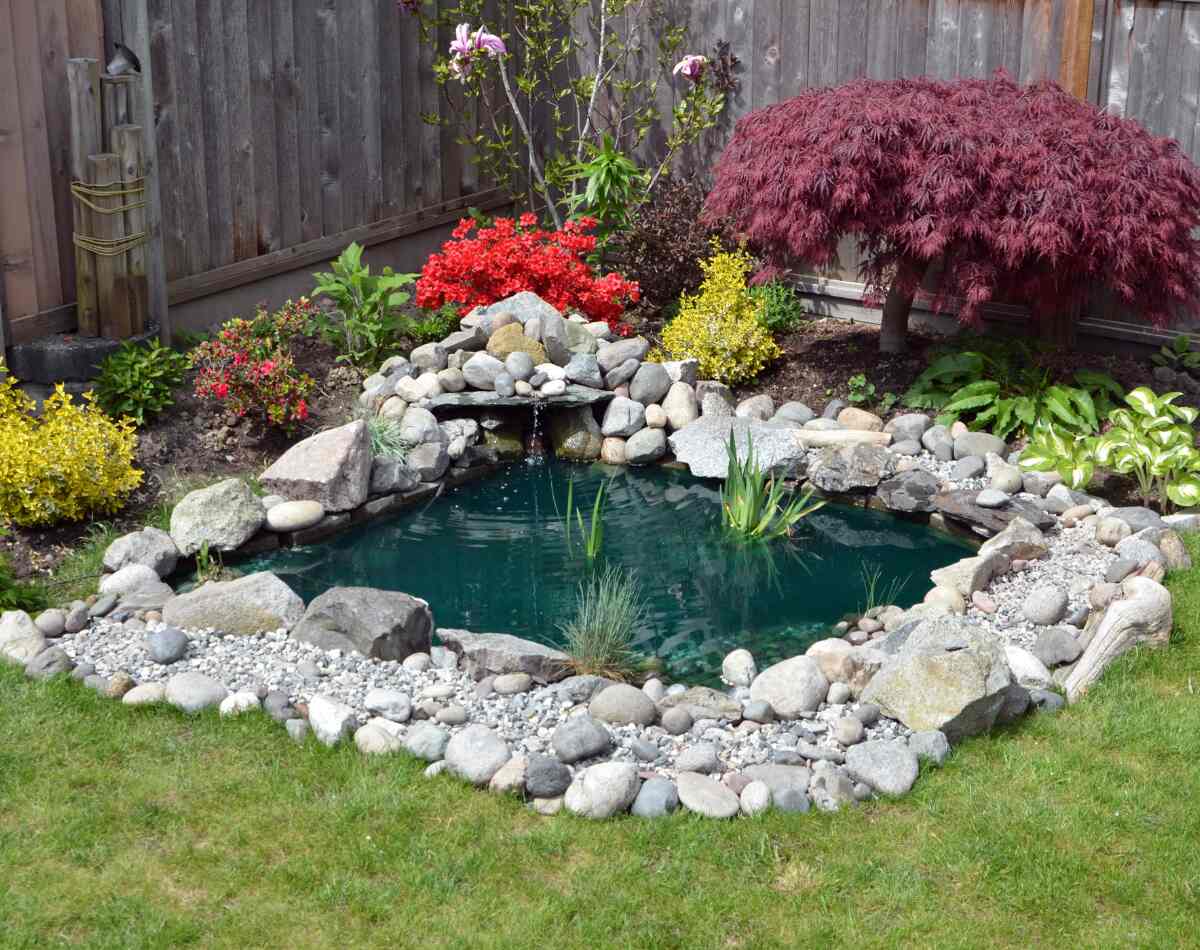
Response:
column 1024, row 194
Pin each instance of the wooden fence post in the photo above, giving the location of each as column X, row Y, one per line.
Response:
column 1076, row 47
column 120, row 95
column 128, row 144
column 83, row 85
column 137, row 37
column 112, row 285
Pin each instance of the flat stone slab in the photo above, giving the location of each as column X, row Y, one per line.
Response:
column 703, row 445
column 960, row 506
column 482, row 399
column 486, row 654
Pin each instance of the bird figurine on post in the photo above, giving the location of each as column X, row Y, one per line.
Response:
column 125, row 61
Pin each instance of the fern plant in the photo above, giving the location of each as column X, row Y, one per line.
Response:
column 999, row 386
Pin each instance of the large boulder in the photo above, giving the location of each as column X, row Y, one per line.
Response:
column 383, row 624
column 945, row 673
column 512, row 339
column 847, row 468
column 622, row 704
column 476, row 754
column 888, row 767
column 1019, row 540
column 487, row 654
column 575, row 434
column 20, row 639
column 223, row 516
column 149, row 547
column 792, row 686
column 603, row 790
column 332, row 467
column 1143, row 616
column 248, row 605
column 909, row 491
column 703, row 446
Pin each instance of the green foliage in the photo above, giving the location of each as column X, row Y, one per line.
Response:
column 999, row 386
column 752, row 506
column 138, row 381
column 860, row 390
column 431, row 326
column 1070, row 454
column 591, row 533
column 1152, row 439
column 876, row 593
column 1178, row 355
column 209, row 566
column 608, row 614
column 385, row 438
column 613, row 185
column 369, row 326
column 780, row 309
column 719, row 326
column 28, row 596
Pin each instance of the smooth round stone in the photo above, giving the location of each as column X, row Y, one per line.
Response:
column 848, row 730
column 270, row 501
column 758, row 710
column 193, row 692
column 656, row 417
column 295, row 515
column 644, row 750
column 389, row 704
column 297, row 729
column 991, row 498
column 676, row 720
column 701, row 758
column 738, row 668
column 839, row 693
column 755, row 798
column 417, row 662
column 523, row 388
column 580, row 737
column 622, row 704
column 504, row 385
column 657, row 797
column 519, row 365
column 509, row 684
column 452, row 715
column 556, row 387
column 51, row 623
column 654, row 688
column 452, row 380
column 546, row 777
column 706, row 796
column 145, row 694
column 236, row 704
column 167, row 645
column 1045, row 605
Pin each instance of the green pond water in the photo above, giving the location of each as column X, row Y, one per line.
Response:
column 492, row 556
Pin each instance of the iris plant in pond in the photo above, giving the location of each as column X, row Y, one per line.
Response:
column 752, row 506
column 591, row 532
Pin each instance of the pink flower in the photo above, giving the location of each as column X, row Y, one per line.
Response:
column 467, row 46
column 691, row 67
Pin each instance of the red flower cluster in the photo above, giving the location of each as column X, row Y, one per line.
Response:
column 509, row 256
column 249, row 366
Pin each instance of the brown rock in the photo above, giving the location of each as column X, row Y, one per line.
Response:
column 511, row 338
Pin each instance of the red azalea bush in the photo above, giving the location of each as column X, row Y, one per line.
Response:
column 484, row 264
column 249, row 367
column 1020, row 193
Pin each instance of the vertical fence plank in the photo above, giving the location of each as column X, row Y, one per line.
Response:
column 944, row 20
column 765, row 69
column 16, row 225
column 1188, row 105
column 371, row 94
column 329, row 117
column 241, row 130
column 83, row 84
column 823, row 43
column 1147, row 73
column 262, row 111
column 410, row 93
column 287, row 102
column 189, row 119
column 308, row 126
column 54, row 38
column 354, row 163
column 30, row 95
column 912, row 57
column 974, row 39
column 392, row 136
column 883, row 40
column 129, row 143
column 794, row 33
column 214, row 111
column 166, row 100
column 1100, row 19
column 852, row 39
column 430, row 187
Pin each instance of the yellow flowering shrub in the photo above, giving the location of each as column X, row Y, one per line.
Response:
column 70, row 462
column 719, row 325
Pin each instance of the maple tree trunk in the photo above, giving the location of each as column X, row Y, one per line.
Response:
column 893, row 326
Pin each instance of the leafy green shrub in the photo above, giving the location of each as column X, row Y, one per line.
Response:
column 719, row 326
column 69, row 463
column 613, row 184
column 780, row 309
column 861, row 391
column 1000, row 386
column 18, row 595
column 1178, row 355
column 434, row 325
column 368, row 326
column 138, row 381
column 752, row 502
column 1153, row 440
column 608, row 613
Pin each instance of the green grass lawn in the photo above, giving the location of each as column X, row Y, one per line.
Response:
column 129, row 828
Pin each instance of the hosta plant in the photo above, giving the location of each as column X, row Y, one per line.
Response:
column 999, row 386
column 1152, row 439
column 1071, row 455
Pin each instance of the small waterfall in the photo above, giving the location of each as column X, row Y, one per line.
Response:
column 535, row 443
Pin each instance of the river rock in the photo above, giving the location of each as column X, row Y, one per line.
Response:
column 888, row 767
column 622, row 704
column 760, row 408
column 149, row 546
column 650, row 384
column 614, row 354
column 224, row 516
column 706, row 796
column 909, row 491
column 510, row 339
column 621, row 374
column 331, row 720
column 575, row 435
column 738, row 668
column 580, row 737
column 680, row 405
column 49, row 662
column 426, row 741
column 854, row 418
column 795, row 412
column 646, row 446
column 546, row 777
column 1055, row 647
column 167, row 645
column 491, row 654
column 623, row 417
column 193, row 692
column 428, row 461
column 937, row 441
column 702, row 702
column 979, row 443
column 382, row 624
column 603, row 790
column 476, row 754
column 909, row 427
column 968, row 575
column 792, row 686
column 656, row 798
column 481, row 370
column 583, row 369
column 297, row 515
column 1020, row 540
column 247, row 605
column 332, row 467
column 1045, row 605
column 389, row 704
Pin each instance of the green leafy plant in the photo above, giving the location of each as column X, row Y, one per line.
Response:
column 1178, row 355
column 752, row 506
column 612, row 185
column 18, row 595
column 888, row 402
column 609, row 612
column 385, row 438
column 876, row 592
column 1152, row 439
column 780, row 309
column 139, row 380
column 861, row 390
column 209, row 566
column 368, row 327
column 1000, row 386
column 1071, row 455
column 431, row 326
column 591, row 532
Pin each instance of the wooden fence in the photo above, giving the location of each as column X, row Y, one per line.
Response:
column 286, row 128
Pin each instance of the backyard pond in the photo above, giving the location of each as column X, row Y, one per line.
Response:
column 495, row 556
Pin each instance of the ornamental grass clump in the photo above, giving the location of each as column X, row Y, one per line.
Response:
column 752, row 506
column 609, row 611
column 71, row 462
column 720, row 326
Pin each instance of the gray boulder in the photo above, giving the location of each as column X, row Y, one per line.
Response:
column 702, row 757
column 603, row 790
column 944, row 673
column 1045, row 605
column 680, row 405
column 382, row 624
column 389, row 704
column 622, row 704
column 909, row 491
column 792, row 686
column 428, row 461
column 390, row 475
column 332, row 467
column 656, row 798
column 224, row 516
column 575, row 434
column 650, row 384
column 248, row 605
column 1055, row 647
column 706, row 796
column 488, row 654
column 703, row 446
column 167, row 645
column 420, row 426
column 760, row 407
column 331, row 720
column 702, row 702
column 427, row 741
column 476, row 754
column 930, row 746
column 52, row 661
column 428, row 357
column 795, row 412
column 620, row 374
column 937, row 441
column 889, row 767
column 614, row 354
column 481, row 370
column 193, row 692
column 580, row 737
column 149, row 547
column 623, row 417
column 546, row 777
column 979, row 443
column 1020, row 539
column 847, row 468
column 583, row 369
column 908, row 427
column 646, row 446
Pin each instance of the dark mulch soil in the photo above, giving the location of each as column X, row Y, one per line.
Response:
column 195, row 441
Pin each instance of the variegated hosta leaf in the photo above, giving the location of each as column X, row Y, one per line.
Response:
column 1036, row 460
column 1122, row 419
column 1186, row 413
column 1185, row 492
column 1143, row 401
column 1077, row 474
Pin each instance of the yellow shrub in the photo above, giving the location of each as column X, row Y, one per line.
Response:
column 719, row 325
column 69, row 463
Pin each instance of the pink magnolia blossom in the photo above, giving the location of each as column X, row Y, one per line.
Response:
column 691, row 67
column 467, row 46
